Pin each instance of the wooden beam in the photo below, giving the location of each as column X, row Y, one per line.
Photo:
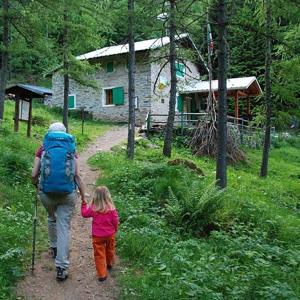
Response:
column 29, row 119
column 242, row 94
column 17, row 113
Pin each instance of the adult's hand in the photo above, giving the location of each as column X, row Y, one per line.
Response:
column 35, row 171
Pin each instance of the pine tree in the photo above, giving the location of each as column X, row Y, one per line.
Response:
column 4, row 55
column 268, row 96
column 221, row 168
column 172, row 59
column 131, row 81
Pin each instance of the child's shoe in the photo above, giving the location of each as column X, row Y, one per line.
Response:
column 101, row 279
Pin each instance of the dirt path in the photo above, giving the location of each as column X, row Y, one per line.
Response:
column 82, row 282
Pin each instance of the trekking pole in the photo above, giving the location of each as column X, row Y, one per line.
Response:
column 34, row 232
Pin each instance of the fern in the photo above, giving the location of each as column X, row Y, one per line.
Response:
column 196, row 210
column 173, row 209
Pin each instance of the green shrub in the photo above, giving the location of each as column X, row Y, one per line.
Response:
column 197, row 210
column 41, row 120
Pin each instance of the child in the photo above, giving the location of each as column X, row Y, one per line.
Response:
column 104, row 226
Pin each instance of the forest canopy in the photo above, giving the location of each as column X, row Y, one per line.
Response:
column 36, row 39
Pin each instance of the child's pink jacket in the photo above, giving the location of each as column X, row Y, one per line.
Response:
column 104, row 224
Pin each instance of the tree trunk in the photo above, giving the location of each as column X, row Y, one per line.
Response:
column 65, row 69
column 268, row 98
column 4, row 57
column 131, row 81
column 221, row 168
column 172, row 102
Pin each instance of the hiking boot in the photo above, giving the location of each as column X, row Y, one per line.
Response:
column 53, row 252
column 62, row 274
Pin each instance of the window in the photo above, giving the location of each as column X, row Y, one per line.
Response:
column 110, row 67
column 113, row 96
column 180, row 69
column 108, row 97
column 72, row 101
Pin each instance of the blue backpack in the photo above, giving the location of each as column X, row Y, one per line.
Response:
column 58, row 163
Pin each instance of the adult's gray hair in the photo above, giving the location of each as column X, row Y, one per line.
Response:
column 57, row 126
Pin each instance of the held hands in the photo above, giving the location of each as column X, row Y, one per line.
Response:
column 83, row 196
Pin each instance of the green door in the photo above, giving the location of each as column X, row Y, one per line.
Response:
column 180, row 103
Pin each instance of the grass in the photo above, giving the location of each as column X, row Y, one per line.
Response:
column 43, row 116
column 17, row 194
column 252, row 251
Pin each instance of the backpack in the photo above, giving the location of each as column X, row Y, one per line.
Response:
column 58, row 163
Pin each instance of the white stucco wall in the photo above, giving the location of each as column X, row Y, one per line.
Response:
column 160, row 96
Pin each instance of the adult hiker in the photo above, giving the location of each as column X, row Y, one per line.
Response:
column 56, row 173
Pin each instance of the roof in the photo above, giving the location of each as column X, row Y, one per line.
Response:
column 249, row 86
column 28, row 90
column 139, row 46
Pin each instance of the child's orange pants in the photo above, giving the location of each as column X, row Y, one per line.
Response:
column 104, row 254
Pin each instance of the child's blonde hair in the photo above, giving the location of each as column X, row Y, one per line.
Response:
column 102, row 199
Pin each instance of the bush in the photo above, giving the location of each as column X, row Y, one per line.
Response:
column 195, row 212
column 41, row 120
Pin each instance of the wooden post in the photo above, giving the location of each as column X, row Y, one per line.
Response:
column 236, row 106
column 248, row 107
column 181, row 122
column 82, row 119
column 148, row 124
column 17, row 113
column 29, row 122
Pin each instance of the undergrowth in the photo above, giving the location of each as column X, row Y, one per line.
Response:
column 180, row 238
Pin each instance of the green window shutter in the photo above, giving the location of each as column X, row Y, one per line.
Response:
column 118, row 96
column 180, row 103
column 180, row 69
column 71, row 101
column 110, row 67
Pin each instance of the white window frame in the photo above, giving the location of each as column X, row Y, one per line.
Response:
column 104, row 96
column 75, row 104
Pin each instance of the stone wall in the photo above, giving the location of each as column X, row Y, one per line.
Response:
column 150, row 99
column 93, row 99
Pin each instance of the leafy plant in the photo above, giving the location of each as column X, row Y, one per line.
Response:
column 197, row 210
